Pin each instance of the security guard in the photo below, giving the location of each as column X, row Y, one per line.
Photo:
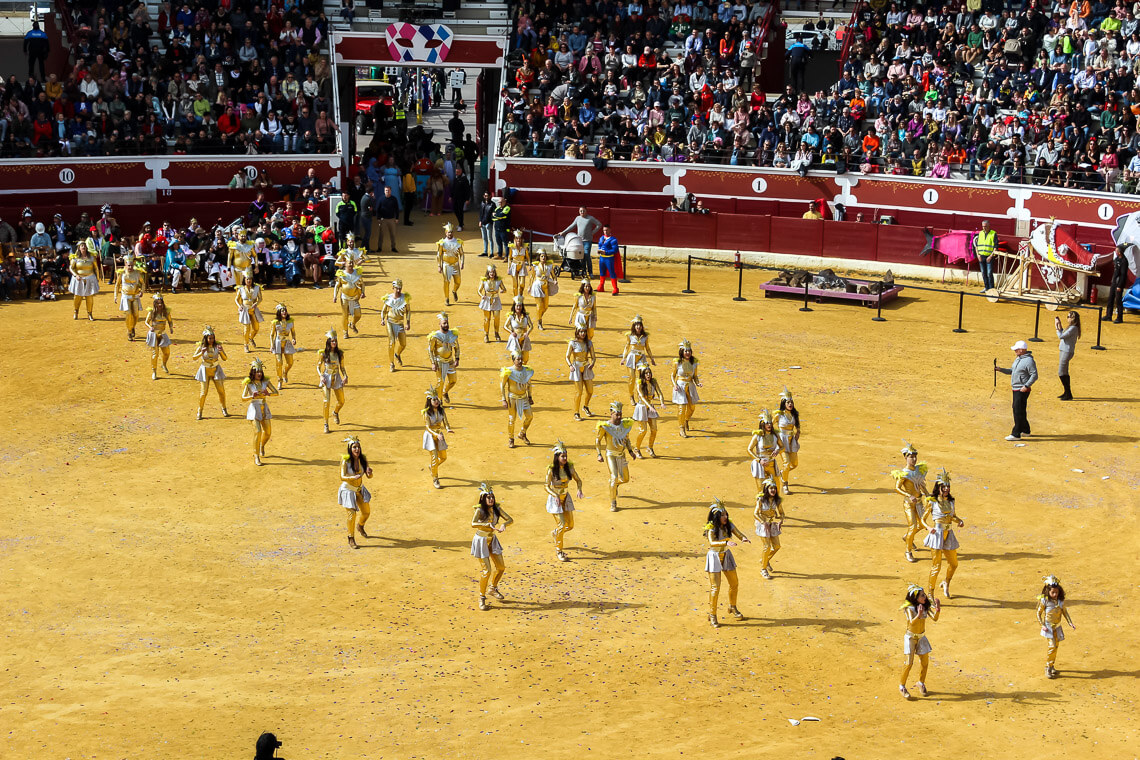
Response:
column 501, row 217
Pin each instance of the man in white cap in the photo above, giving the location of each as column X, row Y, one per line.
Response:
column 1023, row 374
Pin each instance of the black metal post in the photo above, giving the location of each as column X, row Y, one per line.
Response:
column 879, row 309
column 961, row 302
column 1099, row 316
column 805, row 306
column 1036, row 324
column 689, row 277
column 624, row 267
column 740, row 284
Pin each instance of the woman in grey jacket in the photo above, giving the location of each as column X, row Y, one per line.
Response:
column 1068, row 337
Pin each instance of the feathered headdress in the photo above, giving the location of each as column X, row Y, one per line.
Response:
column 615, row 407
column 786, row 395
column 485, row 488
column 352, row 439
column 207, row 331
column 685, row 345
column 559, row 448
column 258, row 365
column 908, row 448
column 943, row 477
column 1051, row 580
column 398, row 284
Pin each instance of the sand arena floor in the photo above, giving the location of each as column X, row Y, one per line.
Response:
column 164, row 597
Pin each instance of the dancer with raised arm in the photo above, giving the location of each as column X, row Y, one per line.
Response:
column 352, row 495
column 558, row 502
column 485, row 546
column 211, row 355
column 918, row 608
column 719, row 530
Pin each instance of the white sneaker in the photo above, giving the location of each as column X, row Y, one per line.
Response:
column 1013, row 438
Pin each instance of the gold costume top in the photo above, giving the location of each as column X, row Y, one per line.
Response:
column 490, row 288
column 614, row 438
column 786, row 423
column 249, row 297
column 518, row 254
column 579, row 351
column 436, row 422
column 283, row 330
column 519, row 325
column 768, row 509
column 767, row 445
column 355, row 255
column 82, row 266
column 486, row 527
column 156, row 324
column 559, row 486
column 586, row 305
column 684, row 372
column 911, row 482
column 351, row 479
column 211, row 356
column 516, row 382
column 349, row 285
column 397, row 308
column 449, row 250
column 1050, row 611
column 544, row 272
column 131, row 282
column 255, row 392
column 637, row 345
column 330, row 365
column 718, row 541
column 443, row 346
column 654, row 394
column 241, row 253
column 941, row 512
column 916, row 620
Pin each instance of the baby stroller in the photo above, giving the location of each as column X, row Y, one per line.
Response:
column 573, row 255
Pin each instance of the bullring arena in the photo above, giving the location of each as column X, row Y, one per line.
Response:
column 165, row 596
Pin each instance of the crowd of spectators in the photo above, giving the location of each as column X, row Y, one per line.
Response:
column 204, row 77
column 1019, row 92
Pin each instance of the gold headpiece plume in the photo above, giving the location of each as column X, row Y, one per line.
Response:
column 485, row 488
column 352, row 439
column 786, row 395
column 257, row 364
column 331, row 334
column 1051, row 580
column 615, row 407
column 157, row 297
column 943, row 477
column 912, row 588
column 398, row 283
column 718, row 506
column 519, row 299
column 765, row 417
column 432, row 392
column 636, row 320
column 908, row 448
column 685, row 345
column 442, row 316
column 280, row 306
column 559, row 448
column 207, row 330
column 768, row 483
column 449, row 227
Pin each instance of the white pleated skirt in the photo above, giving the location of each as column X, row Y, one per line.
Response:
column 758, row 470
column 346, row 497
column 537, row 289
column 201, row 376
column 1053, row 632
column 579, row 372
column 244, row 315
column 935, row 540
column 790, row 443
column 154, row 340
column 86, row 285
column 919, row 646
column 680, row 397
column 644, row 413
column 286, row 346
column 513, row 343
column 554, row 508
column 483, row 547
column 767, row 529
column 125, row 303
column 329, row 380
column 431, row 444
column 258, row 410
column 714, row 564
column 490, row 304
column 517, row 269
column 632, row 358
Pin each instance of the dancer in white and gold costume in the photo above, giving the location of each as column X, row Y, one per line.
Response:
column 240, row 257
column 720, row 530
column 396, row 314
column 769, row 515
column 283, row 342
column 435, row 424
column 349, row 253
column 485, row 546
column 910, row 483
column 443, row 353
column 918, row 608
column 84, row 282
column 352, row 495
column 584, row 312
column 518, row 263
column 519, row 327
column 765, row 448
column 514, row 387
column 580, row 358
column 449, row 261
column 211, row 354
column 247, row 298
column 636, row 352
column 612, row 440
column 130, row 284
column 558, row 502
column 647, row 393
column 332, row 376
column 543, row 285
column 158, row 322
column 788, row 428
column 685, row 383
column 491, row 289
column 1050, row 609
column 256, row 389
column 348, row 289
column 939, row 519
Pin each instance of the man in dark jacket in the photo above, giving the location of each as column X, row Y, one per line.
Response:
column 345, row 217
column 460, row 194
column 1116, row 286
column 487, row 224
column 36, row 47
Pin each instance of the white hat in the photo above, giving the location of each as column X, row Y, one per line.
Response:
column 1022, row 345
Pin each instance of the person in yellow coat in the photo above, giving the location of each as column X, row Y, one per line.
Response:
column 449, row 261
column 130, row 285
column 211, row 354
column 514, row 387
column 788, row 428
column 518, row 263
column 256, row 389
column 765, row 448
column 332, row 376
column 910, row 483
column 636, row 352
column 612, row 440
column 719, row 530
column 646, row 395
column 584, row 312
column 435, row 424
column 485, row 546
column 769, row 516
column 349, row 290
column 247, row 298
column 283, row 342
column 491, row 288
column 1050, row 609
column 443, row 353
column 240, row 257
column 580, row 358
column 158, row 322
column 939, row 519
column 543, row 285
column 918, row 608
column 396, row 314
column 352, row 494
column 558, row 502
column 685, row 383
column 84, row 283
